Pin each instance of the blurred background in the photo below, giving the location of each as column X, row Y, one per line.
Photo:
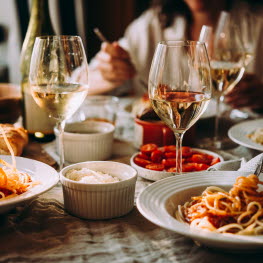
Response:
column 69, row 17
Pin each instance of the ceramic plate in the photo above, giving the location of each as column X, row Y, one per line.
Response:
column 238, row 133
column 39, row 172
column 158, row 203
column 158, row 175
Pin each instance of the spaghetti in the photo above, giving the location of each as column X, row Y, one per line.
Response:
column 239, row 211
column 12, row 182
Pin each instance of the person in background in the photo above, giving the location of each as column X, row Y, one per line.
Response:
column 130, row 57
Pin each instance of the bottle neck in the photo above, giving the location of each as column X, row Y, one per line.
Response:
column 39, row 25
column 40, row 15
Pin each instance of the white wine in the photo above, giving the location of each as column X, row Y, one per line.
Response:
column 35, row 120
column 248, row 58
column 60, row 101
column 33, row 115
column 180, row 109
column 225, row 73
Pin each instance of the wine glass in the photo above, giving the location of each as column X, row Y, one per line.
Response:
column 227, row 61
column 58, row 78
column 180, row 86
column 248, row 26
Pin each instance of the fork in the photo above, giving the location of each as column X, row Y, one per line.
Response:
column 259, row 167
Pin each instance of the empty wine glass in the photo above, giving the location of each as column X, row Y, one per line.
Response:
column 58, row 78
column 180, row 86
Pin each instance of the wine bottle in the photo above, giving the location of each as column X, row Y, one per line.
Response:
column 35, row 120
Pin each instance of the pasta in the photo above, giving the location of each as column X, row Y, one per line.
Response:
column 257, row 136
column 12, row 182
column 239, row 211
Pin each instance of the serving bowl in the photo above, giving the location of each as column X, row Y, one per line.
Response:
column 87, row 141
column 159, row 201
column 100, row 200
column 158, row 175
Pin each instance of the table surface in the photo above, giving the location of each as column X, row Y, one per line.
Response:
column 42, row 231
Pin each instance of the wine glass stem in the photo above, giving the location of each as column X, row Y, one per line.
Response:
column 60, row 127
column 217, row 117
column 218, row 99
column 179, row 140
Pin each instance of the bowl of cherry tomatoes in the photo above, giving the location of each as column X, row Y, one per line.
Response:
column 155, row 163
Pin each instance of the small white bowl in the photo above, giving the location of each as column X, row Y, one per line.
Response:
column 158, row 175
column 100, row 201
column 88, row 141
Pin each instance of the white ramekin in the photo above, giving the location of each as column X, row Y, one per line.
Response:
column 88, row 141
column 100, row 201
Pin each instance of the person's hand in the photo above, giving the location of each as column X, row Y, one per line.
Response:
column 114, row 63
column 247, row 93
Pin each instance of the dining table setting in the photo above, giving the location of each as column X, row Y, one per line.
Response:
column 40, row 229
column 174, row 175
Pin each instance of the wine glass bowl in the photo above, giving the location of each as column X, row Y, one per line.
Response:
column 227, row 57
column 180, row 86
column 59, row 78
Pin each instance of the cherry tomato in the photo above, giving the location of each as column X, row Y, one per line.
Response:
column 201, row 166
column 171, row 170
column 141, row 162
column 170, row 162
column 215, row 160
column 200, row 158
column 209, row 157
column 156, row 156
column 186, row 151
column 170, row 154
column 155, row 166
column 188, row 167
column 169, row 148
column 143, row 156
column 148, row 148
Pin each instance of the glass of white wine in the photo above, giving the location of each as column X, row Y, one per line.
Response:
column 59, row 78
column 248, row 26
column 180, row 86
column 227, row 61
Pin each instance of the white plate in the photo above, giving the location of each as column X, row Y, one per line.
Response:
column 39, row 172
column 158, row 175
column 159, row 201
column 238, row 133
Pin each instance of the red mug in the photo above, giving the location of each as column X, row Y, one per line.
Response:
column 152, row 132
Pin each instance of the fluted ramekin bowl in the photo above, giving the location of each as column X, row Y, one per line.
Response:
column 100, row 200
column 88, row 141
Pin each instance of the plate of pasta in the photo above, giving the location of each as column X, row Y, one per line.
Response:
column 248, row 134
column 220, row 209
column 22, row 179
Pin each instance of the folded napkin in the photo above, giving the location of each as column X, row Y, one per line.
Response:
column 238, row 165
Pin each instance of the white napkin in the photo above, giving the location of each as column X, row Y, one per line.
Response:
column 238, row 165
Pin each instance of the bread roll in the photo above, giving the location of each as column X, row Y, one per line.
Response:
column 17, row 137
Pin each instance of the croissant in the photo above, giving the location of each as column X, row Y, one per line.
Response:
column 17, row 137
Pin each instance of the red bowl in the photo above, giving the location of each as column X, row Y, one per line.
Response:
column 10, row 102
